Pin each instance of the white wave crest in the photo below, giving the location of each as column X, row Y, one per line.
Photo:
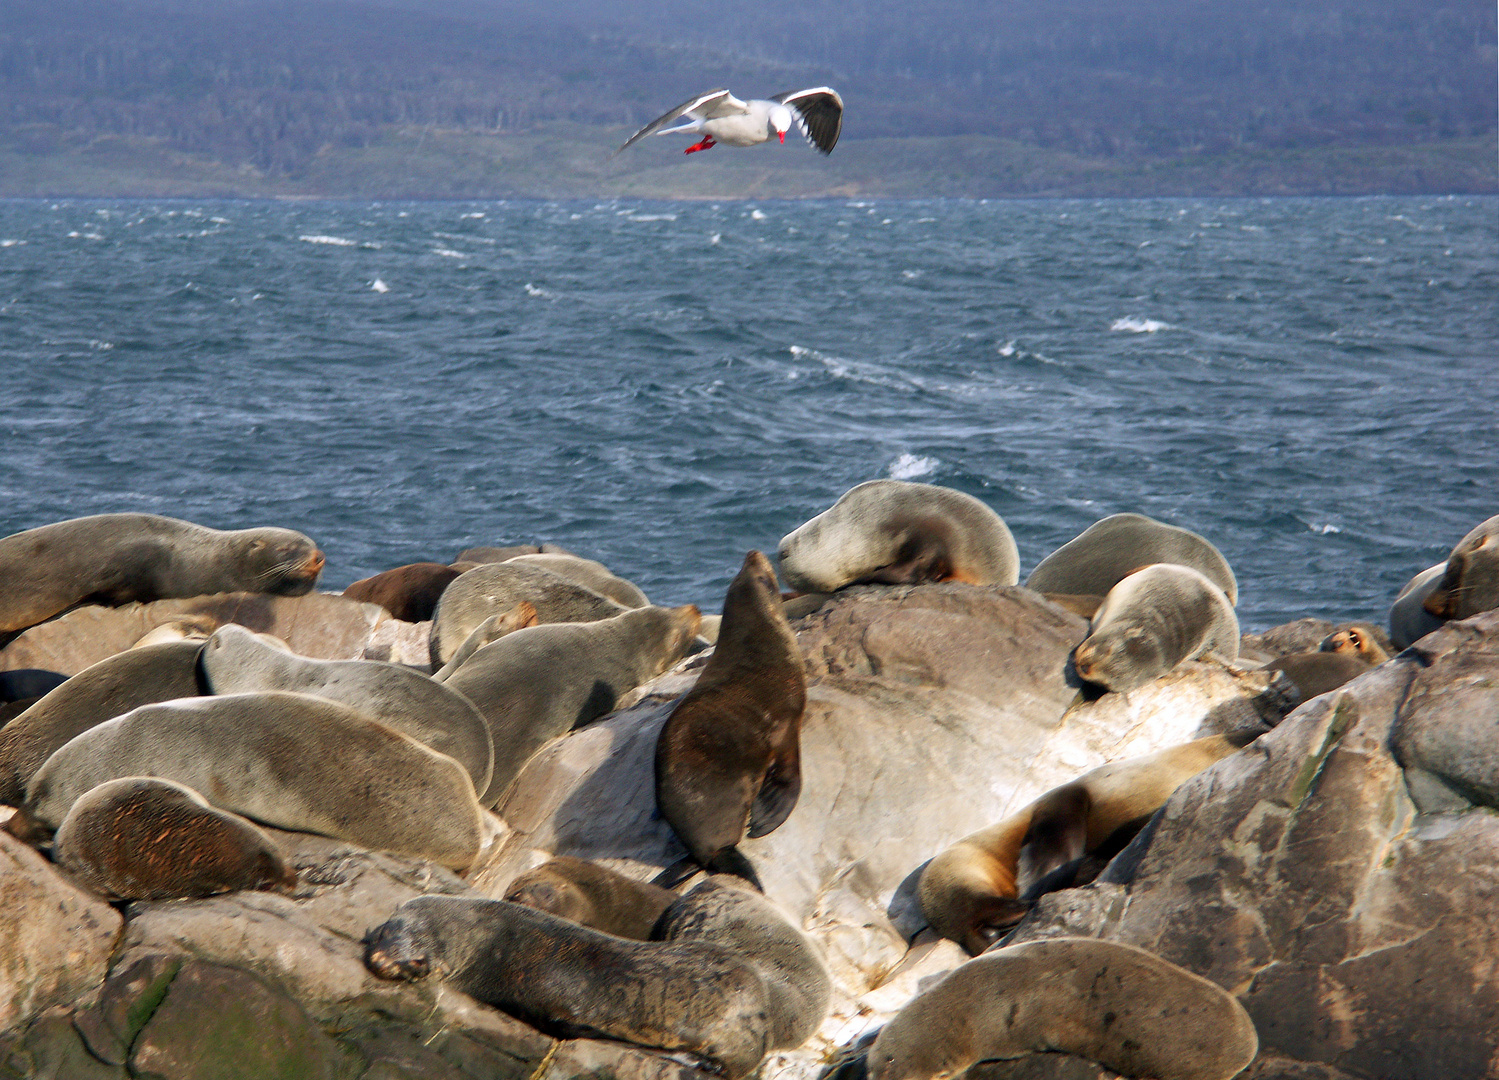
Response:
column 532, row 290
column 449, row 253
column 10, row 243
column 758, row 215
column 1132, row 325
column 652, row 217
column 379, row 286
column 909, row 467
column 320, row 238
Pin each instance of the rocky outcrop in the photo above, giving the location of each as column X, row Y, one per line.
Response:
column 1339, row 875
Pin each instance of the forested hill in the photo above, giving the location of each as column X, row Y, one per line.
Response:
column 271, row 96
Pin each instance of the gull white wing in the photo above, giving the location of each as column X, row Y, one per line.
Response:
column 819, row 115
column 706, row 106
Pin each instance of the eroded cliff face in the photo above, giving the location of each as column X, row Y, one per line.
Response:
column 1353, row 921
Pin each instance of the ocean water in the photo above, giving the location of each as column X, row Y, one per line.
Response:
column 1312, row 384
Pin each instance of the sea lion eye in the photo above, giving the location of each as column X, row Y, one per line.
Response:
column 257, row 545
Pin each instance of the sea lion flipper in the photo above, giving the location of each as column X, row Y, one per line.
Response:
column 779, row 790
column 733, row 861
column 676, row 873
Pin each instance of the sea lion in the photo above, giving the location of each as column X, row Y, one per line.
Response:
column 238, row 661
column 1108, row 551
column 143, row 838
column 291, row 761
column 1470, row 583
column 118, row 558
column 896, row 532
column 570, row 981
column 408, row 592
column 728, row 758
column 187, row 628
column 593, row 896
column 110, row 688
column 481, row 555
column 1364, row 640
column 1318, row 673
column 977, row 890
column 1409, row 619
column 540, row 682
column 1114, row 1004
column 721, row 912
column 494, row 588
column 490, row 630
column 1150, row 622
column 587, row 573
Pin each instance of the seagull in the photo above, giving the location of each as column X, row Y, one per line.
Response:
column 723, row 118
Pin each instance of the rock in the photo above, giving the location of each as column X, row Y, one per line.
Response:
column 1303, row 635
column 324, row 626
column 1358, row 932
column 51, row 1048
column 397, row 642
column 55, row 939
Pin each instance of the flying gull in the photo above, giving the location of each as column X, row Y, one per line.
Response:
column 722, row 118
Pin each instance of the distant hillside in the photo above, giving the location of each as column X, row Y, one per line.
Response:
column 1054, row 96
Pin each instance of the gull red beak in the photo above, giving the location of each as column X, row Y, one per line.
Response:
column 782, row 134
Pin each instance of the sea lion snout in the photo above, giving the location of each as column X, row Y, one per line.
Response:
column 391, row 956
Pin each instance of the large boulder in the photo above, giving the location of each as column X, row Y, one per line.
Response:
column 1357, row 924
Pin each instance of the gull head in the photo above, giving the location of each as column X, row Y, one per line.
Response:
column 780, row 120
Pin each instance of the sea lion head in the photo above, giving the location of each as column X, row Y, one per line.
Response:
column 403, row 949
column 1355, row 639
column 278, row 561
column 1116, row 656
column 1471, row 583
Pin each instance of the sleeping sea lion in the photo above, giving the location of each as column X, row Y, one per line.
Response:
column 1114, row 1004
column 100, row 692
column 978, row 889
column 119, row 558
column 540, row 682
column 1470, row 583
column 143, row 838
column 409, row 593
column 238, row 661
column 495, row 588
column 291, row 761
column 1151, row 621
column 593, row 896
column 1108, row 551
column 728, row 759
column 896, row 532
column 589, row 574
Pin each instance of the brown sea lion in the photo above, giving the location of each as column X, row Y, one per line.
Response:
column 1470, row 583
column 119, row 558
column 896, row 532
column 694, row 996
column 143, row 838
column 728, row 759
column 291, row 761
column 1108, row 551
column 1151, row 621
column 540, row 682
column 409, row 592
column 100, row 692
column 977, row 890
column 495, row 588
column 1318, row 673
column 1114, row 1004
column 593, row 896
column 1364, row 640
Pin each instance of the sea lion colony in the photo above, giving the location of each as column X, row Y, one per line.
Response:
column 198, row 740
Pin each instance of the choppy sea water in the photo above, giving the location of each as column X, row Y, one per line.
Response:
column 1310, row 383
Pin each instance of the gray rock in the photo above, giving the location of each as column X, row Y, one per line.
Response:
column 55, row 939
column 1303, row 635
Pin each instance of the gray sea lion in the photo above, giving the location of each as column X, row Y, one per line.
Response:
column 1364, row 640
column 1111, row 1003
column 100, row 692
column 1150, row 622
column 589, row 574
column 540, row 682
column 1318, row 673
column 119, row 558
column 480, row 555
column 570, row 981
column 237, row 661
column 495, row 588
column 1108, row 551
column 593, row 896
column 721, row 912
column 897, row 532
column 488, row 631
column 975, row 891
column 1470, row 583
column 291, row 761
column 1409, row 619
column 728, row 758
column 409, row 593
column 187, row 628
column 143, row 838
